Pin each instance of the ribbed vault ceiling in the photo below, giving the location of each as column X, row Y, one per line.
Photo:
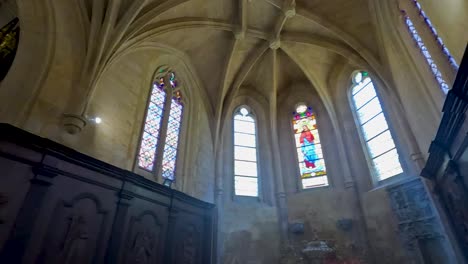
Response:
column 233, row 43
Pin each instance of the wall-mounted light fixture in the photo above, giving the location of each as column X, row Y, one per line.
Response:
column 96, row 119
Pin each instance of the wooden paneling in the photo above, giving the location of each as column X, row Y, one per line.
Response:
column 60, row 206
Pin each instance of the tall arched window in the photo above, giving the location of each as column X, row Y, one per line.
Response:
column 245, row 153
column 434, row 33
column 379, row 142
column 160, row 139
column 423, row 47
column 309, row 149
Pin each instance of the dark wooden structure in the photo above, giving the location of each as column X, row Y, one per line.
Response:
column 447, row 165
column 60, row 206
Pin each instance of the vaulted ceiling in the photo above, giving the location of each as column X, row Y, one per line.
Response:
column 232, row 43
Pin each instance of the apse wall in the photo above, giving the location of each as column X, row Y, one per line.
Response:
column 248, row 226
column 332, row 213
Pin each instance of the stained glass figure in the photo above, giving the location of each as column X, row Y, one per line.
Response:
column 309, row 150
column 427, row 55
column 245, row 154
column 375, row 131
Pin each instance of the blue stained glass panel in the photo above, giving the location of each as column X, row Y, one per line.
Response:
column 172, row 140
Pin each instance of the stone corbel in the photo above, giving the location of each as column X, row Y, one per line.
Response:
column 74, row 124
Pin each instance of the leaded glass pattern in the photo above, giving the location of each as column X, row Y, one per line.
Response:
column 374, row 127
column 422, row 47
column 163, row 125
column 433, row 31
column 312, row 167
column 172, row 140
column 245, row 154
column 152, row 127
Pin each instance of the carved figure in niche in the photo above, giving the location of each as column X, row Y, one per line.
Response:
column 188, row 246
column 308, row 147
column 142, row 247
column 73, row 249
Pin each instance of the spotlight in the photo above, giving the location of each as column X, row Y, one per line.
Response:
column 97, row 120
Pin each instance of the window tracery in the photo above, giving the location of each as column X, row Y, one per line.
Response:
column 374, row 128
column 161, row 131
column 245, row 154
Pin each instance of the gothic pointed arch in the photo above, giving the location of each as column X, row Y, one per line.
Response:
column 375, row 133
column 159, row 143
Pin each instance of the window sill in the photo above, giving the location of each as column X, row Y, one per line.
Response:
column 314, row 189
column 246, row 199
column 393, row 181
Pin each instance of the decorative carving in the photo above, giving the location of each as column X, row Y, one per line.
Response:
column 142, row 247
column 415, row 214
column 144, row 235
column 189, row 250
column 74, row 244
column 74, row 231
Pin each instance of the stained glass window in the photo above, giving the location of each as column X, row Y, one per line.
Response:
column 172, row 140
column 158, row 127
column 9, row 37
column 427, row 55
column 151, row 131
column 375, row 132
column 434, row 33
column 309, row 148
column 245, row 154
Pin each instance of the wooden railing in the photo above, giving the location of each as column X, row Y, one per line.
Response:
column 61, row 206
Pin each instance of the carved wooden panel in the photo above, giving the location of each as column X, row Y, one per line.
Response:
column 144, row 238
column 74, row 231
column 81, row 210
column 14, row 183
column 188, row 246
